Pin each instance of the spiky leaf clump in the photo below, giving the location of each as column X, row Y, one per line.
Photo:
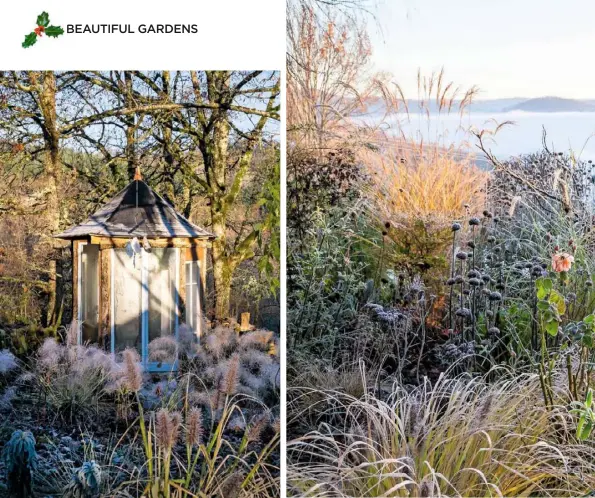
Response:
column 85, row 482
column 20, row 459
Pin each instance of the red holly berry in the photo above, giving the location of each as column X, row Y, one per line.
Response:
column 39, row 30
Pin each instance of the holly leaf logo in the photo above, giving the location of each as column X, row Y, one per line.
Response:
column 30, row 40
column 54, row 31
column 43, row 26
column 43, row 19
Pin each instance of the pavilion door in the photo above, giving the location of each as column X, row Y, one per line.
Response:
column 144, row 300
column 88, row 292
column 193, row 301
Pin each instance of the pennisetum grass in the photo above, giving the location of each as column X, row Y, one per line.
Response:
column 460, row 437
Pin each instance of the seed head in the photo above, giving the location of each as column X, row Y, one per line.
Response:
column 495, row 296
column 258, row 426
column 167, row 428
column 231, row 378
column 463, row 312
column 133, row 378
column 194, row 429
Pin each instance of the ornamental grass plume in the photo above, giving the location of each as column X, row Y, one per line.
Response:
column 258, row 339
column 7, row 361
column 49, row 355
column 258, row 426
column 163, row 349
column 194, row 428
column 562, row 262
column 131, row 374
column 167, row 428
column 230, row 380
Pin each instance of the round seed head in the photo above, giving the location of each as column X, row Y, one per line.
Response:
column 495, row 296
column 463, row 312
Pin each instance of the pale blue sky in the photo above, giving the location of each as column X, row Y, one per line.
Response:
column 509, row 48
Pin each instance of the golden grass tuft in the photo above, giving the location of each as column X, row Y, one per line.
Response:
column 461, row 437
column 424, row 182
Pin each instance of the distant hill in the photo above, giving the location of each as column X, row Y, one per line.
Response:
column 540, row 104
column 552, row 104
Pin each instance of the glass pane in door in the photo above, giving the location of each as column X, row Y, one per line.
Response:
column 89, row 293
column 193, row 295
column 127, row 287
column 162, row 292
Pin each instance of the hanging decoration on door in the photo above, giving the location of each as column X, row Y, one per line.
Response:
column 146, row 245
column 133, row 248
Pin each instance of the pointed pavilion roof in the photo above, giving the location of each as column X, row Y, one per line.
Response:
column 137, row 211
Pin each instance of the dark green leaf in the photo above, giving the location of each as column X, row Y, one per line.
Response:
column 54, row 31
column 30, row 40
column 43, row 19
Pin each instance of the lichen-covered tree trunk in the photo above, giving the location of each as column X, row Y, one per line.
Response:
column 215, row 155
column 223, row 271
column 222, row 189
column 45, row 85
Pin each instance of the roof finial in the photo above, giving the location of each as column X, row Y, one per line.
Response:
column 137, row 175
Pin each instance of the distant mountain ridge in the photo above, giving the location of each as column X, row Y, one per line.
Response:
column 539, row 104
column 553, row 104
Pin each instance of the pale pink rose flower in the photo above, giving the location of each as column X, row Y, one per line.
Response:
column 562, row 261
